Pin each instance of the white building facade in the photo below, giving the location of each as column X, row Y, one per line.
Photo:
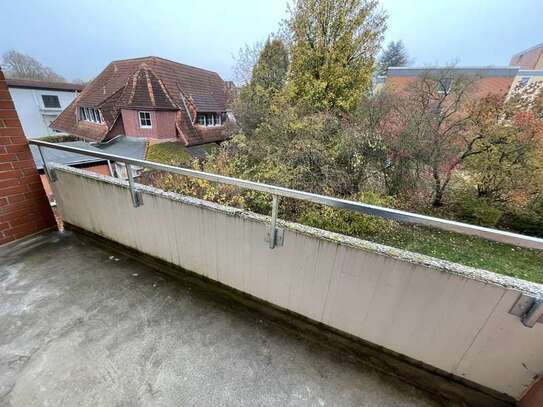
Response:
column 39, row 103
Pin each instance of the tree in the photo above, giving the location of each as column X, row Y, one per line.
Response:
column 245, row 61
column 270, row 70
column 394, row 55
column 508, row 146
column 334, row 43
column 429, row 128
column 21, row 66
column 267, row 79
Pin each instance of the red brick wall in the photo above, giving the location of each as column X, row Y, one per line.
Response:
column 163, row 123
column 534, row 396
column 24, row 208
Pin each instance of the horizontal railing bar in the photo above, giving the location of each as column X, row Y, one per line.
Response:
column 388, row 213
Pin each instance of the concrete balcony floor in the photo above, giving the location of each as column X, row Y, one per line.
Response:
column 83, row 326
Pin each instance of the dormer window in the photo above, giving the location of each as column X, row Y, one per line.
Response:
column 145, row 120
column 444, row 85
column 210, row 119
column 90, row 114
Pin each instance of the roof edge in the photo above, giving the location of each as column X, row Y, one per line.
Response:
column 528, row 50
column 506, row 71
column 47, row 85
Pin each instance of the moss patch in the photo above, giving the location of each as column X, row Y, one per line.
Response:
column 471, row 251
column 171, row 153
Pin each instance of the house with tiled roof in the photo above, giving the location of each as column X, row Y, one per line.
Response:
column 486, row 80
column 149, row 97
column 529, row 59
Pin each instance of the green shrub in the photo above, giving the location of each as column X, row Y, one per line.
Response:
column 349, row 222
column 530, row 219
column 479, row 211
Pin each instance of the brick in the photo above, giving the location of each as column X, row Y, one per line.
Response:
column 23, row 155
column 9, row 174
column 11, row 122
column 36, row 186
column 16, row 198
column 29, row 171
column 9, row 183
column 24, row 207
column 21, row 220
column 8, row 157
column 17, row 189
column 6, row 104
column 11, row 211
column 24, row 164
column 17, row 148
column 24, row 230
column 9, row 114
column 12, row 132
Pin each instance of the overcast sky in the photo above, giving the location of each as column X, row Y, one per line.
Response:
column 79, row 39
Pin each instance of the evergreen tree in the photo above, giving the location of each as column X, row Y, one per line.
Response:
column 394, row 55
column 268, row 77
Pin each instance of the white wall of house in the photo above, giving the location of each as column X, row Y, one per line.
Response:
column 34, row 116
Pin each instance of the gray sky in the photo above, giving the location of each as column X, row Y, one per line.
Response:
column 78, row 39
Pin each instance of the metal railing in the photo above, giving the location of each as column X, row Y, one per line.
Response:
column 275, row 235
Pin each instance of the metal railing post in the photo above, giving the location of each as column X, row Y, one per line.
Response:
column 275, row 205
column 50, row 174
column 137, row 199
column 274, row 235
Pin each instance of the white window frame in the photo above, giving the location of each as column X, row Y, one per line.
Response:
column 209, row 119
column 441, row 89
column 145, row 126
column 90, row 114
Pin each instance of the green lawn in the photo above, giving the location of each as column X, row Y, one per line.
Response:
column 471, row 251
column 171, row 153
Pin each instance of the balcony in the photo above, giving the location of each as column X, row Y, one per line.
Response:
column 157, row 298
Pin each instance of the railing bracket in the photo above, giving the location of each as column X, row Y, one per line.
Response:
column 274, row 235
column 528, row 309
column 279, row 236
column 137, row 197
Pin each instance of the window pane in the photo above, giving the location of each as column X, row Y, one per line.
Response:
column 201, row 119
column 50, row 101
column 145, row 119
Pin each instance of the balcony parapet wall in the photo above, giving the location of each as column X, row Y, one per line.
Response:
column 449, row 316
